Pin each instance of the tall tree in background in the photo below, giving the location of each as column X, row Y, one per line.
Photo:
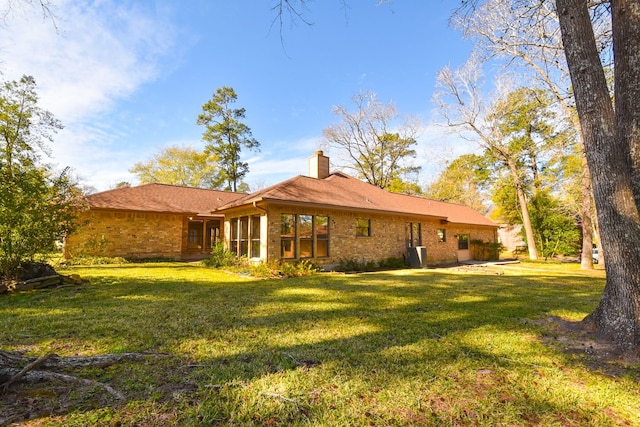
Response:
column 369, row 142
column 181, row 166
column 463, row 181
column 526, row 118
column 464, row 108
column 37, row 206
column 226, row 135
column 528, row 121
column 526, row 36
column 554, row 225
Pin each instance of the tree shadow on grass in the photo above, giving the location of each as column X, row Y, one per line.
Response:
column 231, row 338
column 418, row 339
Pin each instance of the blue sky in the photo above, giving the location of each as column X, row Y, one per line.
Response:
column 129, row 78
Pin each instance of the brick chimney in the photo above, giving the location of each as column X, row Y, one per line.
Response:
column 318, row 165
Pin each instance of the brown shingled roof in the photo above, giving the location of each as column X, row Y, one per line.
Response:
column 162, row 198
column 341, row 191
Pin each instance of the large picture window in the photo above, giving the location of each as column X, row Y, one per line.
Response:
column 304, row 236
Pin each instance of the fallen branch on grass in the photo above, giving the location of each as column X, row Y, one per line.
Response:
column 16, row 367
column 31, row 366
column 38, row 376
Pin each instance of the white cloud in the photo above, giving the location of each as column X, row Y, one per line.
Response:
column 437, row 146
column 100, row 53
column 97, row 54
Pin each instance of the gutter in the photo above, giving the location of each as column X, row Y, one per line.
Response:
column 255, row 205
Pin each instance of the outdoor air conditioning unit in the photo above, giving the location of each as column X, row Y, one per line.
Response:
column 417, row 256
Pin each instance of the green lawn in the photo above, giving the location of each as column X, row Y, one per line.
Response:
column 409, row 347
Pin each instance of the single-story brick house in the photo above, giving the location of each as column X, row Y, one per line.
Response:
column 329, row 217
column 325, row 217
column 150, row 220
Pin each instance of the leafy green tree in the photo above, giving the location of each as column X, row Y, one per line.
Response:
column 226, row 135
column 403, row 186
column 554, row 223
column 526, row 118
column 532, row 140
column 555, row 227
column 181, row 166
column 506, row 203
column 37, row 206
column 464, row 181
column 370, row 143
column 462, row 104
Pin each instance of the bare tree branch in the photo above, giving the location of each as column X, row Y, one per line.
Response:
column 27, row 7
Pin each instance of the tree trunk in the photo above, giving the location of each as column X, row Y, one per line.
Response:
column 608, row 149
column 524, row 209
column 626, row 42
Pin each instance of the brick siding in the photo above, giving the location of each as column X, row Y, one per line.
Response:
column 127, row 234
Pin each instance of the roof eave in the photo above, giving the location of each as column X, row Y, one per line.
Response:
column 475, row 224
column 185, row 213
column 269, row 201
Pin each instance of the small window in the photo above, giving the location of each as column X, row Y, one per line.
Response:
column 305, row 231
column 244, row 236
column 234, row 235
column 442, row 235
column 288, row 236
column 255, row 236
column 322, row 236
column 463, row 242
column 363, row 227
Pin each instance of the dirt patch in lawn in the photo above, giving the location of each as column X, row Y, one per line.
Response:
column 596, row 353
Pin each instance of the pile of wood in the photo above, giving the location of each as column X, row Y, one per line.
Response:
column 38, row 276
column 39, row 283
